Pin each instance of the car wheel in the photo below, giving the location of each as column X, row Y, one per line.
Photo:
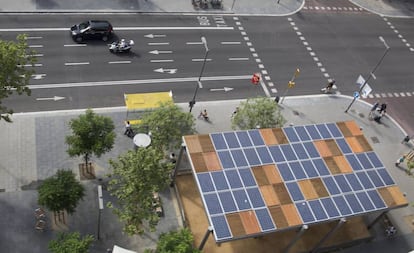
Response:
column 78, row 39
column 105, row 38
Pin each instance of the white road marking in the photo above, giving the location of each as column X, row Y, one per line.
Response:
column 38, row 55
column 238, row 59
column 119, row 62
column 75, row 45
column 162, row 60
column 158, row 43
column 56, row 29
column 31, row 65
column 194, row 43
column 38, row 76
column 76, row 63
column 35, row 46
column 151, row 36
column 34, row 38
column 202, row 59
column 159, row 52
column 230, row 42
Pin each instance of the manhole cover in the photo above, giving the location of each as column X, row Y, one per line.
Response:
column 361, row 115
column 375, row 140
column 296, row 113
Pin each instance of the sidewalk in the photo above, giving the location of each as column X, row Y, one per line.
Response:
column 33, row 149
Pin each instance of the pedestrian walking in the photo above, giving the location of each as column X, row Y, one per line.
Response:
column 203, row 114
column 400, row 160
column 383, row 108
column 128, row 130
column 329, row 86
column 373, row 109
column 406, row 139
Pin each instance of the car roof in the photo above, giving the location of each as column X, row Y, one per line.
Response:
column 100, row 23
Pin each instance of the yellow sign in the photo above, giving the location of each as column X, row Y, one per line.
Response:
column 291, row 84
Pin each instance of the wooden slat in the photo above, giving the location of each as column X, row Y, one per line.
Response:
column 193, row 144
column 322, row 148
column 307, row 189
column 332, row 166
column 392, row 196
column 354, row 144
column 280, row 136
column 268, row 136
column 250, row 223
column 272, row 174
column 282, row 193
column 260, row 175
column 333, row 147
column 278, row 217
column 269, row 195
column 344, row 129
column 319, row 187
column 353, row 128
column 198, row 162
column 363, row 142
column 343, row 164
column 235, row 224
column 291, row 214
column 205, row 142
column 212, row 162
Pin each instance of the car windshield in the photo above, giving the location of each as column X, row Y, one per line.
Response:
column 83, row 25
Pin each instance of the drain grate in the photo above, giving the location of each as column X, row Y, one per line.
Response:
column 375, row 140
column 361, row 115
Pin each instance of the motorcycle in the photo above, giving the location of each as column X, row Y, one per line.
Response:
column 122, row 46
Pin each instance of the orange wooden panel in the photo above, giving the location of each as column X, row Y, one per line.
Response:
column 344, row 129
column 354, row 144
column 268, row 136
column 332, row 166
column 307, row 189
column 272, row 174
column 282, row 193
column 353, row 127
column 235, row 224
column 193, row 144
column 319, row 187
column 322, row 148
column 333, row 147
column 393, row 196
column 198, row 162
column 269, row 195
column 363, row 142
column 250, row 223
column 205, row 142
column 292, row 215
column 280, row 136
column 260, row 175
column 278, row 217
column 343, row 164
column 212, row 162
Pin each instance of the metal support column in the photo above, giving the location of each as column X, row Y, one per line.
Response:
column 205, row 238
column 377, row 219
column 177, row 164
column 329, row 234
column 297, row 237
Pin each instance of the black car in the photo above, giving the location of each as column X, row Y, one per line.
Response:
column 92, row 29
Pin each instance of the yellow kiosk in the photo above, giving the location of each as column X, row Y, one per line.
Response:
column 139, row 103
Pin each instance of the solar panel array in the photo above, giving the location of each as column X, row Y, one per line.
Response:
column 238, row 187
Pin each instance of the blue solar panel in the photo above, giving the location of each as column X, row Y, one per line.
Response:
column 376, row 199
column 231, row 139
column 276, row 154
column 241, row 199
column 353, row 161
column 374, row 159
column 313, row 132
column 218, row 141
column 233, row 178
column 288, row 152
column 303, row 135
column 354, row 182
column 317, row 210
column 297, row 170
column 239, row 158
column 334, row 130
column 313, row 153
column 300, row 151
column 213, row 203
column 354, row 203
column 342, row 183
column 309, row 168
column 227, row 201
column 364, row 179
column 363, row 159
column 265, row 220
column 323, row 130
column 221, row 228
column 206, row 183
column 373, row 175
column 285, row 172
column 330, row 207
column 365, row 201
column 343, row 145
column 385, row 176
column 305, row 212
column 251, row 156
column 321, row 167
column 247, row 177
column 225, row 159
column 342, row 205
column 256, row 137
column 295, row 191
column 331, row 185
column 255, row 197
column 264, row 155
column 291, row 134
column 219, row 180
column 244, row 139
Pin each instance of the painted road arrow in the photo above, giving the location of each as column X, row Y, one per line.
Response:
column 169, row 71
column 55, row 98
column 151, row 36
column 225, row 89
column 160, row 52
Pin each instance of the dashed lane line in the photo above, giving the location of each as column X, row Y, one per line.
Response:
column 119, row 62
column 56, row 29
column 76, row 63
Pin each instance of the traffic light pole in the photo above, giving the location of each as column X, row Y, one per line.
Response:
column 193, row 101
column 291, row 83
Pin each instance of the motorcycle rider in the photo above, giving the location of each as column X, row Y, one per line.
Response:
column 122, row 44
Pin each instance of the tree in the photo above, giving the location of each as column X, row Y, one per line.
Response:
column 92, row 134
column 70, row 243
column 260, row 112
column 176, row 241
column 168, row 123
column 61, row 192
column 136, row 176
column 14, row 77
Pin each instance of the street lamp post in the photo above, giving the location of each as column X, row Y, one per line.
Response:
column 372, row 72
column 193, row 101
column 101, row 207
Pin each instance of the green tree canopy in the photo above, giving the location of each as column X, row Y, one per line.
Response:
column 260, row 112
column 176, row 241
column 61, row 192
column 14, row 76
column 168, row 123
column 136, row 176
column 92, row 134
column 70, row 243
